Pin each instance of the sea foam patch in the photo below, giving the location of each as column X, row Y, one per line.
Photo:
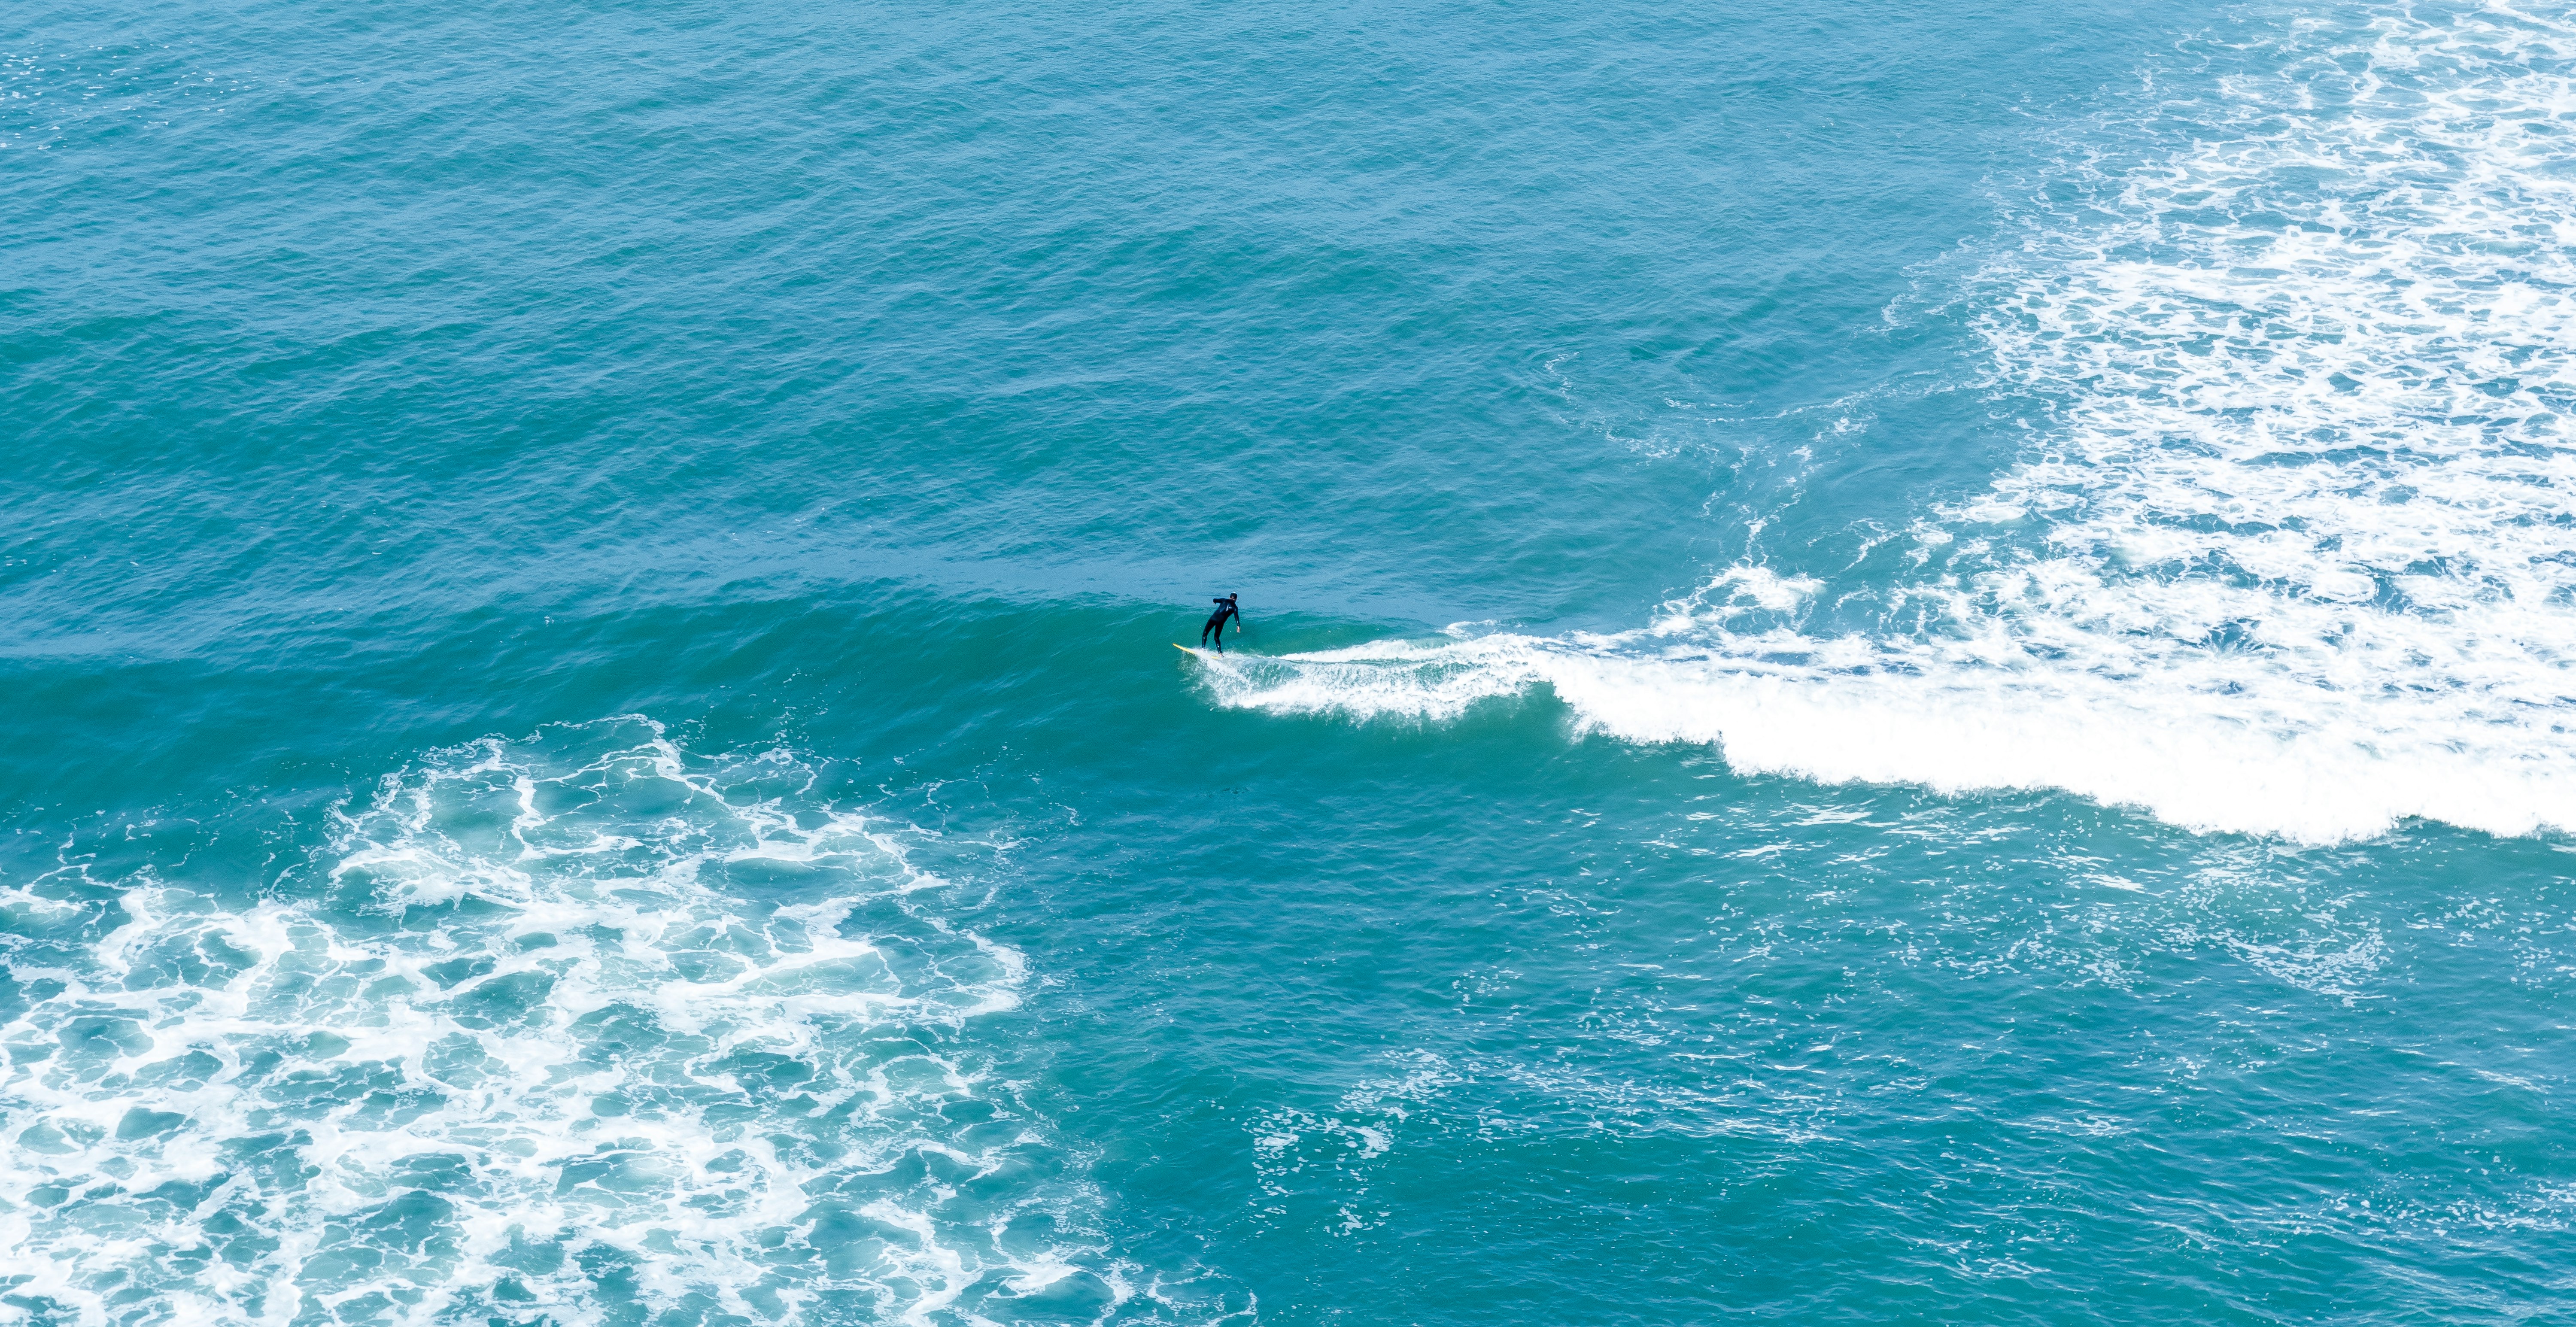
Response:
column 577, row 1029
column 2294, row 552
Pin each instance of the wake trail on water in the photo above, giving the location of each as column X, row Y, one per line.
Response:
column 579, row 1028
column 2294, row 552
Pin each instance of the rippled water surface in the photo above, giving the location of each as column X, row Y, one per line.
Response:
column 1902, row 664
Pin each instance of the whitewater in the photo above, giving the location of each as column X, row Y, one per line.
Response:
column 571, row 1026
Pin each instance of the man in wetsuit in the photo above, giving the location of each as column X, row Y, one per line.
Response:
column 1216, row 623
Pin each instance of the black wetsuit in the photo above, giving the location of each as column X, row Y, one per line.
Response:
column 1216, row 623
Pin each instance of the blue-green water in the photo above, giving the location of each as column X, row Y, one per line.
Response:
column 1904, row 664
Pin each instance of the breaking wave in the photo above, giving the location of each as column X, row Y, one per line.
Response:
column 2294, row 551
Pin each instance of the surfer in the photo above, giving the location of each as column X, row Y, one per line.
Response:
column 1216, row 623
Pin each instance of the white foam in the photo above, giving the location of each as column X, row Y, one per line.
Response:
column 530, row 1011
column 2296, row 551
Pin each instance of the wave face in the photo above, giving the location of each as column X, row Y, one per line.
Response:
column 575, row 1029
column 2294, row 549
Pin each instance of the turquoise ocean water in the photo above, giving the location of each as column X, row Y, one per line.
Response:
column 1905, row 663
